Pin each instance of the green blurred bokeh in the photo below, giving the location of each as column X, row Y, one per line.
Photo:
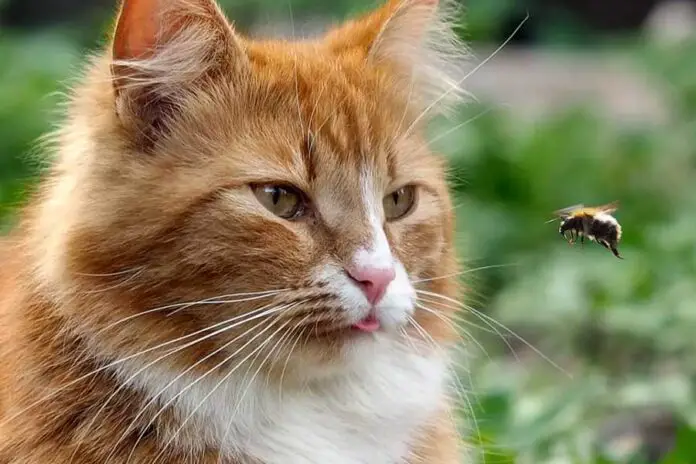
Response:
column 569, row 338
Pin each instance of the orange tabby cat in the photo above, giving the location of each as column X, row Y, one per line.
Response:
column 225, row 262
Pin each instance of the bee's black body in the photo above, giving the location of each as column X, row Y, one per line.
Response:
column 594, row 223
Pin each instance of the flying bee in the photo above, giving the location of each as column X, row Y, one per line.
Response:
column 595, row 223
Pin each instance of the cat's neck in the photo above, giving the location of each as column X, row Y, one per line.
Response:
column 369, row 413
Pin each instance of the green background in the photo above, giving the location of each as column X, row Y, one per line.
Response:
column 621, row 333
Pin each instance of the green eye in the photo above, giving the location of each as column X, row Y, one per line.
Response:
column 284, row 202
column 399, row 203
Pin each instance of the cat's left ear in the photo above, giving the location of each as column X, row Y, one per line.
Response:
column 416, row 41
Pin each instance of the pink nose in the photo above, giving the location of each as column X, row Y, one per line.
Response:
column 372, row 281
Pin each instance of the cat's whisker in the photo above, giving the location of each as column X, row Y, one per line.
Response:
column 221, row 299
column 491, row 326
column 492, row 322
column 450, row 323
column 455, row 317
column 455, row 128
column 113, row 274
column 464, row 399
column 300, row 334
column 467, row 271
column 407, row 104
column 311, row 115
column 217, row 385
column 126, row 383
column 163, row 408
column 456, row 87
column 239, row 319
column 297, row 84
column 426, row 337
column 459, row 387
column 457, row 329
column 271, row 351
column 125, row 282
column 331, row 115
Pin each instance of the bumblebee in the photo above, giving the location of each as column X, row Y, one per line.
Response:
column 595, row 223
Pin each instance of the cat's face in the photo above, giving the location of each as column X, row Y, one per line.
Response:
column 278, row 196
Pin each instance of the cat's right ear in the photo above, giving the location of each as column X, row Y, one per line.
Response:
column 162, row 52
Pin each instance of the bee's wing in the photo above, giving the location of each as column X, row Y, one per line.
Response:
column 566, row 211
column 609, row 207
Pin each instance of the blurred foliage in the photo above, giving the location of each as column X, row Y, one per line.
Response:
column 34, row 70
column 572, row 335
column 621, row 330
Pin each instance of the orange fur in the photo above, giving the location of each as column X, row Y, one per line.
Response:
column 148, row 205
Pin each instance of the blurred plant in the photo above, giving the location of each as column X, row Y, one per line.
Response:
column 621, row 329
column 34, row 69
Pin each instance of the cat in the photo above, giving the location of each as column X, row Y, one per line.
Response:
column 243, row 251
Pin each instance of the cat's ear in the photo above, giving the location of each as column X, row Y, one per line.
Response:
column 416, row 40
column 162, row 52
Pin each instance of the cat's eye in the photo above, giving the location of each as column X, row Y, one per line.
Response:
column 399, row 203
column 283, row 201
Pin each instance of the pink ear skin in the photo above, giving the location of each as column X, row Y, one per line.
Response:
column 145, row 24
column 137, row 29
column 161, row 51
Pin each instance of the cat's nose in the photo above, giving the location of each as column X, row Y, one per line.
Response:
column 373, row 281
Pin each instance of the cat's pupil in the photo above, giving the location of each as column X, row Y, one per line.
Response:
column 276, row 195
column 395, row 197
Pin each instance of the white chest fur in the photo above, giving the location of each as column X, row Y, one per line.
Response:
column 368, row 414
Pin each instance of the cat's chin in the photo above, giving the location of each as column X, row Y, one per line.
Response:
column 334, row 354
column 368, row 328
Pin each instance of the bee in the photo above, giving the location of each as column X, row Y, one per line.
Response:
column 595, row 223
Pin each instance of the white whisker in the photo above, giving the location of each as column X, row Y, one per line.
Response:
column 407, row 337
column 456, row 86
column 314, row 109
column 456, row 128
column 254, row 376
column 451, row 324
column 412, row 85
column 135, row 355
column 491, row 322
column 297, row 85
column 492, row 327
column 125, row 282
column 300, row 334
column 214, row 389
column 458, row 318
column 467, row 271
column 126, row 383
column 212, row 300
column 186, row 371
column 459, row 387
column 112, row 274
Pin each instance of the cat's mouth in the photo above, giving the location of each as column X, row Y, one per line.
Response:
column 369, row 324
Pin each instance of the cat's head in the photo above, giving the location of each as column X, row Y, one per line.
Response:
column 212, row 184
